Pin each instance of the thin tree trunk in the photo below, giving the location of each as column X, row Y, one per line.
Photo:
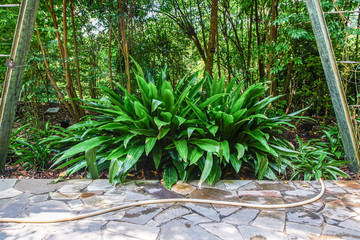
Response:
column 290, row 67
column 209, row 63
column 272, row 38
column 110, row 63
column 76, row 51
column 259, row 43
column 248, row 77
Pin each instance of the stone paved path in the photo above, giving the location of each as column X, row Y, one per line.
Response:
column 335, row 216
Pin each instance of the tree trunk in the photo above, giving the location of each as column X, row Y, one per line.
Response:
column 110, row 67
column 248, row 75
column 209, row 63
column 272, row 39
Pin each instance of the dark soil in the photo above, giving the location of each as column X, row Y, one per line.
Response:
column 25, row 113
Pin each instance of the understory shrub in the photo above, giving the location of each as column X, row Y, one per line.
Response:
column 192, row 131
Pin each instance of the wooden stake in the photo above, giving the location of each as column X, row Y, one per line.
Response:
column 14, row 74
column 335, row 86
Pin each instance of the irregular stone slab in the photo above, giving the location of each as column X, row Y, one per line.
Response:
column 123, row 187
column 183, row 188
column 222, row 230
column 83, row 229
column 301, row 193
column 184, row 230
column 7, row 183
column 37, row 186
column 218, row 185
column 100, row 185
column 133, row 230
column 235, row 184
column 330, row 232
column 141, row 215
column 103, row 201
column 336, row 191
column 74, row 186
column 337, row 210
column 14, row 208
column 350, row 186
column 134, row 197
column 196, row 218
column 50, row 208
column 260, row 193
column 302, row 231
column 351, row 224
column 39, row 198
column 160, row 192
column 314, row 207
column 225, row 210
column 76, row 204
column 214, row 194
column 242, row 217
column 205, row 210
column 303, row 185
column 250, row 186
column 305, row 217
column 352, row 202
column 171, row 213
column 115, row 236
column 27, row 232
column 9, row 193
column 274, row 220
column 276, row 185
column 64, row 196
column 262, row 200
column 254, row 233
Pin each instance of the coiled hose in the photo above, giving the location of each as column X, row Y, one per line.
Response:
column 171, row 200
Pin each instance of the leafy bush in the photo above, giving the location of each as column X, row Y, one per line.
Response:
column 186, row 133
column 26, row 148
column 316, row 161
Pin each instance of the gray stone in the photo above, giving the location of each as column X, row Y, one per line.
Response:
column 134, row 197
column 9, row 193
column 250, row 186
column 184, row 230
column 64, row 196
column 25, row 233
column 305, row 217
column 15, row 208
column 242, row 217
column 49, row 210
column 83, row 229
column 7, row 183
column 235, row 184
column 141, row 215
column 301, row 193
column 222, row 230
column 205, row 210
column 103, row 201
column 100, row 185
column 254, row 233
column 76, row 204
column 337, row 210
column 274, row 220
column 196, row 218
column 302, row 231
column 262, row 200
column 351, row 224
column 171, row 213
column 39, row 198
column 330, row 232
column 74, row 186
column 160, row 192
column 225, row 210
column 37, row 186
column 183, row 188
column 115, row 236
column 275, row 185
column 133, row 230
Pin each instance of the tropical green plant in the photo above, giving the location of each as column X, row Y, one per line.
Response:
column 26, row 147
column 186, row 133
column 334, row 141
column 315, row 162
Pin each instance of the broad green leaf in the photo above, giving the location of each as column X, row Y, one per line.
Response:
column 235, row 162
column 179, row 120
column 168, row 98
column 155, row 104
column 197, row 111
column 113, row 126
column 196, row 154
column 170, row 177
column 167, row 116
column 210, row 100
column 181, row 147
column 86, row 145
column 149, row 144
column 240, row 149
column 132, row 157
column 262, row 164
column 226, row 150
column 163, row 133
column 140, row 71
column 207, row 168
column 116, row 153
column 114, row 168
column 157, row 154
column 259, row 136
column 208, row 145
column 160, row 123
column 128, row 138
column 90, row 156
column 123, row 118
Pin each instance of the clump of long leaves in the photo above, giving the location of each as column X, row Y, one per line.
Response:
column 26, row 148
column 181, row 130
column 317, row 161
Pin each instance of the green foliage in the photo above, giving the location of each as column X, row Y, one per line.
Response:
column 26, row 146
column 179, row 130
column 315, row 162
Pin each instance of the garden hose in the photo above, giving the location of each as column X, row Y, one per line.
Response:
column 171, row 200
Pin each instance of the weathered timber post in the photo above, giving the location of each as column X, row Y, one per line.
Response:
column 335, row 86
column 16, row 64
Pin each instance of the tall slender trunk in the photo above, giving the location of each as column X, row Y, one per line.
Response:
column 110, row 63
column 248, row 75
column 259, row 43
column 272, row 39
column 209, row 63
column 290, row 67
column 76, row 50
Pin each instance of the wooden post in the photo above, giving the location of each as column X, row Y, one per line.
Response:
column 335, row 86
column 15, row 72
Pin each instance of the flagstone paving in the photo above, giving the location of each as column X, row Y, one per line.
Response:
column 335, row 216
